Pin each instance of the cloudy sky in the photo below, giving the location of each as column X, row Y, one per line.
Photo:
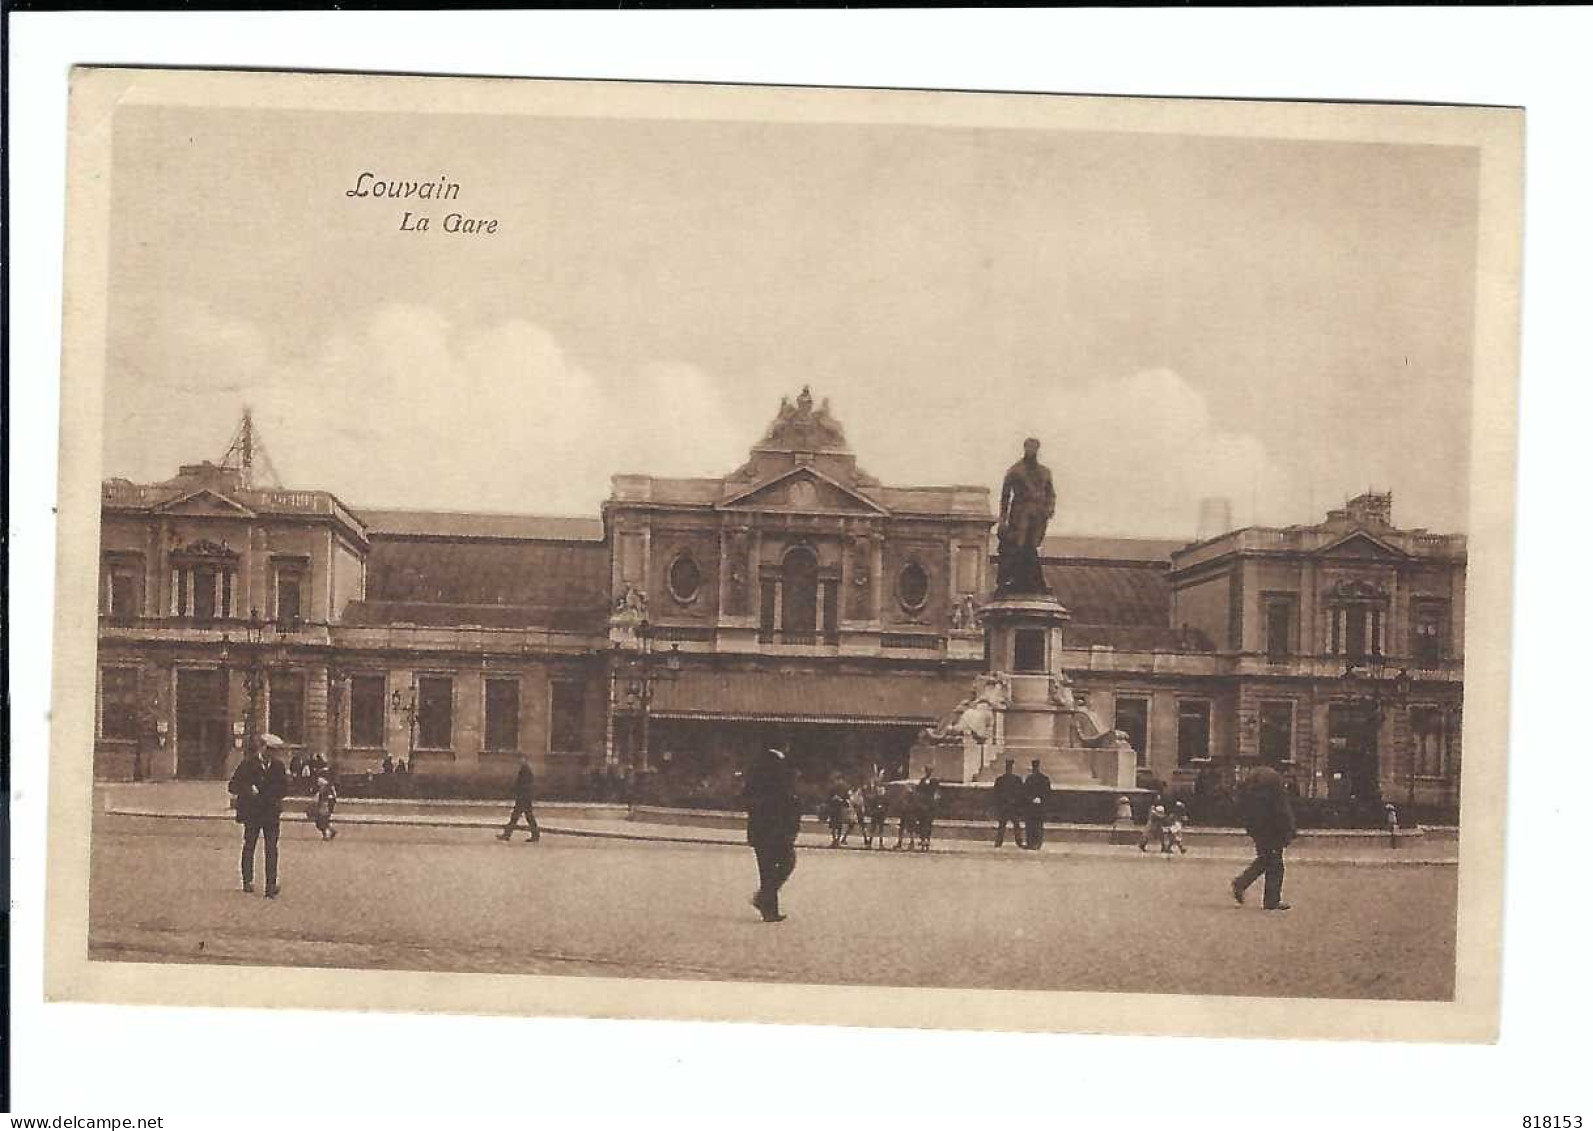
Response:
column 1282, row 323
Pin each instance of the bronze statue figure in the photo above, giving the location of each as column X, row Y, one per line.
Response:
column 1028, row 500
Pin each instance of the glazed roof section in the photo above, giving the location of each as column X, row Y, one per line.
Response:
column 436, row 579
column 458, row 524
column 1121, row 594
column 1114, row 582
column 1091, row 548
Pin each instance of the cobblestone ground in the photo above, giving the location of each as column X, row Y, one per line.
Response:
column 407, row 898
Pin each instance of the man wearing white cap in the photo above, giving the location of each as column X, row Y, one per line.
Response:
column 260, row 783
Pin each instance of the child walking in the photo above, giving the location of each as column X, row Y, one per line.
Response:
column 325, row 802
column 1156, row 825
column 1177, row 819
column 836, row 809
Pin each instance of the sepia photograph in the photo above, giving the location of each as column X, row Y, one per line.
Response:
column 780, row 553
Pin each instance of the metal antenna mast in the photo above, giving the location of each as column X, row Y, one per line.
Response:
column 246, row 451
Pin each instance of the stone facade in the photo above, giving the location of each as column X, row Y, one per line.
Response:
column 796, row 599
column 1342, row 654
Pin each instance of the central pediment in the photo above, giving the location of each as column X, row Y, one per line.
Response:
column 801, row 489
column 1360, row 544
column 204, row 503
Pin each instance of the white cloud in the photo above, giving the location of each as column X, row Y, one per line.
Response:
column 407, row 409
column 1139, row 453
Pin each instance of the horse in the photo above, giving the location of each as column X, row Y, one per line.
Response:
column 915, row 809
column 875, row 803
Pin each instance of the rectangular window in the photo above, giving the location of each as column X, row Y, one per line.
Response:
column 1028, row 650
column 435, row 721
column 566, row 735
column 768, row 599
column 503, row 714
column 367, row 712
column 1280, row 627
column 1277, row 731
column 204, row 596
column 1427, row 741
column 1133, row 719
column 1355, row 633
column 289, row 595
column 119, row 703
column 123, row 595
column 1427, row 633
column 287, row 707
column 1194, row 731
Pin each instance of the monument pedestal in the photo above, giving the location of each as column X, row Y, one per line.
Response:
column 1024, row 708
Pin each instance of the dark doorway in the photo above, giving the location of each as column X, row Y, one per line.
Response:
column 203, row 727
column 799, row 585
column 1133, row 719
column 1352, row 752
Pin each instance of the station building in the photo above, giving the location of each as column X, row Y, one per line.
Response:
column 796, row 599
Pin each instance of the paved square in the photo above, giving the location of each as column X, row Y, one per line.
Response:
column 457, row 900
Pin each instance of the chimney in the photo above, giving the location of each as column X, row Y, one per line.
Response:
column 1216, row 518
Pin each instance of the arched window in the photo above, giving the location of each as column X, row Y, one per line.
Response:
column 912, row 587
column 685, row 579
column 799, row 595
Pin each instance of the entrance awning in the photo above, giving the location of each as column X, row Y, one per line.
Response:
column 886, row 699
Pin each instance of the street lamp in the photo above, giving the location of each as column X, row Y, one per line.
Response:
column 407, row 705
column 253, row 646
column 635, row 672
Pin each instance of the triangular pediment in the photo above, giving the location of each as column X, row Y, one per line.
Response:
column 204, row 503
column 1360, row 544
column 803, row 489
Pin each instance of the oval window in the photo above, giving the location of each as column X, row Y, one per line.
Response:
column 912, row 587
column 684, row 579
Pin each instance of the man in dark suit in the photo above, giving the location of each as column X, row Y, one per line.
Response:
column 1269, row 819
column 524, row 794
column 260, row 783
column 774, row 816
column 1037, row 792
column 1008, row 794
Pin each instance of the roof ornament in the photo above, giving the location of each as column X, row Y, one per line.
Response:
column 800, row 427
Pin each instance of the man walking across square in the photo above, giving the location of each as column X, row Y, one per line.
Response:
column 259, row 784
column 1269, row 819
column 524, row 794
column 1009, row 796
column 774, row 816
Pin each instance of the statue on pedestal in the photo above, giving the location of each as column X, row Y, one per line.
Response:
column 1028, row 500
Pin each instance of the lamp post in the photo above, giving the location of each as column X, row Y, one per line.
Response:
column 1401, row 687
column 1452, row 727
column 635, row 677
column 406, row 704
column 253, row 646
column 334, row 710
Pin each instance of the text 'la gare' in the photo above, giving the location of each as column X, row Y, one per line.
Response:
column 455, row 223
